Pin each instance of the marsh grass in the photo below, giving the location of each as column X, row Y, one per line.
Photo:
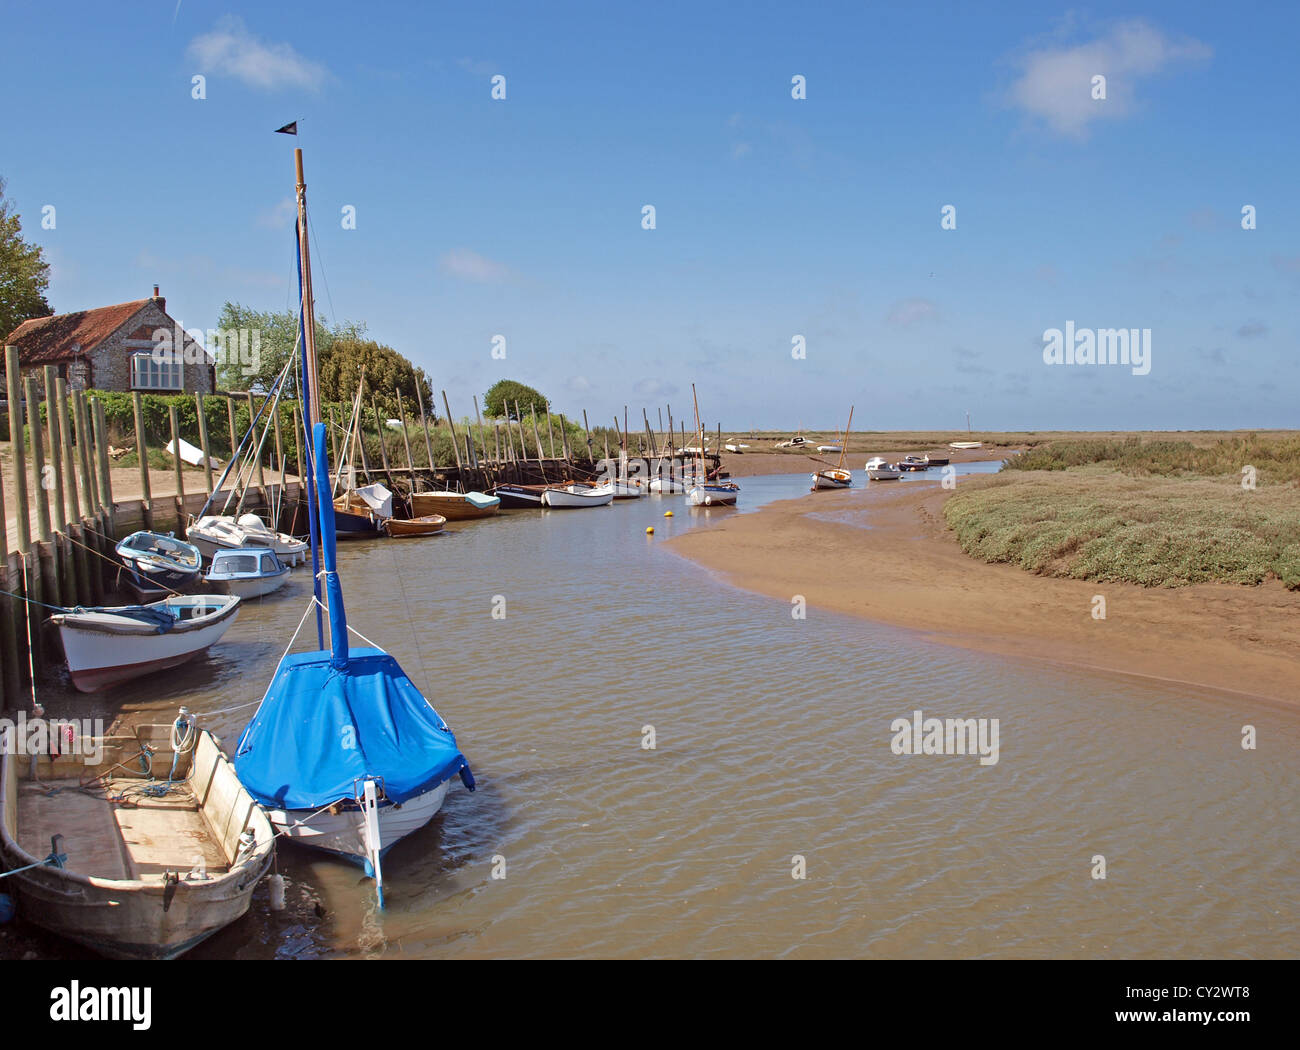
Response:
column 1160, row 514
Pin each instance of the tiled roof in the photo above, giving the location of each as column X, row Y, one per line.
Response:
column 46, row 340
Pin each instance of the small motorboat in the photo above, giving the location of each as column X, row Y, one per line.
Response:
column 933, row 461
column 214, row 532
column 519, row 496
column 250, row 572
column 108, row 645
column 560, row 496
column 714, row 494
column 667, row 486
column 158, row 852
column 454, row 506
column 798, row 441
column 426, row 525
column 834, row 478
column 158, row 564
column 880, row 470
column 913, row 463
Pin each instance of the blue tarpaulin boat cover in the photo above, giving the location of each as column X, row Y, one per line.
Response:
column 321, row 729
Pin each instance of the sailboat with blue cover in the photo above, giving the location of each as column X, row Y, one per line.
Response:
column 344, row 751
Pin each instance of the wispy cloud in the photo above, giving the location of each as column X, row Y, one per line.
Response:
column 1055, row 82
column 908, row 312
column 478, row 66
column 1252, row 330
column 470, row 266
column 279, row 216
column 231, row 50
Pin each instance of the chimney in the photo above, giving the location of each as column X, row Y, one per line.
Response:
column 162, row 303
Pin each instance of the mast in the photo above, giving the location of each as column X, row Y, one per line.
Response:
column 844, row 445
column 307, row 468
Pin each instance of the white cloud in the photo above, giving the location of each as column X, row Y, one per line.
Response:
column 470, row 266
column 910, row 311
column 1055, row 85
column 280, row 216
column 478, row 66
column 230, row 49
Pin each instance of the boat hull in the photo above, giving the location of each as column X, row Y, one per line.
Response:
column 211, row 534
column 667, row 486
column 520, row 496
column 429, row 525
column 454, row 506
column 344, row 832
column 714, row 495
column 574, row 496
column 100, row 656
column 831, row 479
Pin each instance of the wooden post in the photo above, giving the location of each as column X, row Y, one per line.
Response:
column 42, row 493
column 253, row 447
column 9, row 612
column 406, row 440
column 203, row 442
column 76, row 535
column 105, row 477
column 591, row 456
column 142, row 453
column 279, row 454
column 64, row 565
column 334, row 441
column 532, row 412
column 550, row 434
column 447, row 405
column 380, row 427
column 180, row 473
column 230, row 416
column 424, row 423
column 81, row 425
column 85, row 453
column 18, row 447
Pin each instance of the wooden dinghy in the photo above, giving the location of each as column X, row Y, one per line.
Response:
column 454, row 506
column 107, row 645
column 427, row 525
column 140, row 856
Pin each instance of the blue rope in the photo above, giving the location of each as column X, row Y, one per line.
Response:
column 33, row 601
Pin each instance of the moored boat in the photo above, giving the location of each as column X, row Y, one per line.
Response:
column 428, row 525
column 213, row 532
column 158, row 564
column 628, row 489
column 965, row 446
column 108, row 645
column 454, row 506
column 714, row 494
column 913, row 463
column 250, row 572
column 137, row 867
column 519, row 496
column 936, row 461
column 831, row 479
column 562, row 496
column 667, row 486
column 878, row 469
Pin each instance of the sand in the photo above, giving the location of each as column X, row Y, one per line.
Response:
column 905, row 568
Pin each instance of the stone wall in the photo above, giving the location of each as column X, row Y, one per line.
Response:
column 110, row 361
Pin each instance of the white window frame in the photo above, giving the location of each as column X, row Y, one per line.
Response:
column 162, row 371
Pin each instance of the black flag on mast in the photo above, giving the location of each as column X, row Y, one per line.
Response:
column 288, row 129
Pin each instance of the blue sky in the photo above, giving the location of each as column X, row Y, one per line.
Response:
column 775, row 217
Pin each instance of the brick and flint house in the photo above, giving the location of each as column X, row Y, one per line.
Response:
column 131, row 346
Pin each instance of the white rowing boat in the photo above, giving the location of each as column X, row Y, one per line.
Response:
column 561, row 496
column 108, row 645
column 214, row 532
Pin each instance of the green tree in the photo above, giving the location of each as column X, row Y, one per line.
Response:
column 24, row 273
column 501, row 399
column 257, row 343
column 387, row 372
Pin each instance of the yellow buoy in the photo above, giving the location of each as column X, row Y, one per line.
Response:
column 649, row 530
column 668, row 514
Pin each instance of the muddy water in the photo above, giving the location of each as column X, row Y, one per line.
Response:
column 772, row 742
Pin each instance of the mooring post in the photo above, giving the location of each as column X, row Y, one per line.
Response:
column 447, row 405
column 254, row 448
column 203, row 441
column 406, row 440
column 65, row 564
column 142, row 454
column 76, row 534
column 94, row 570
column 10, row 675
column 230, row 417
column 424, row 422
column 17, row 443
column 180, row 475
column 105, row 476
